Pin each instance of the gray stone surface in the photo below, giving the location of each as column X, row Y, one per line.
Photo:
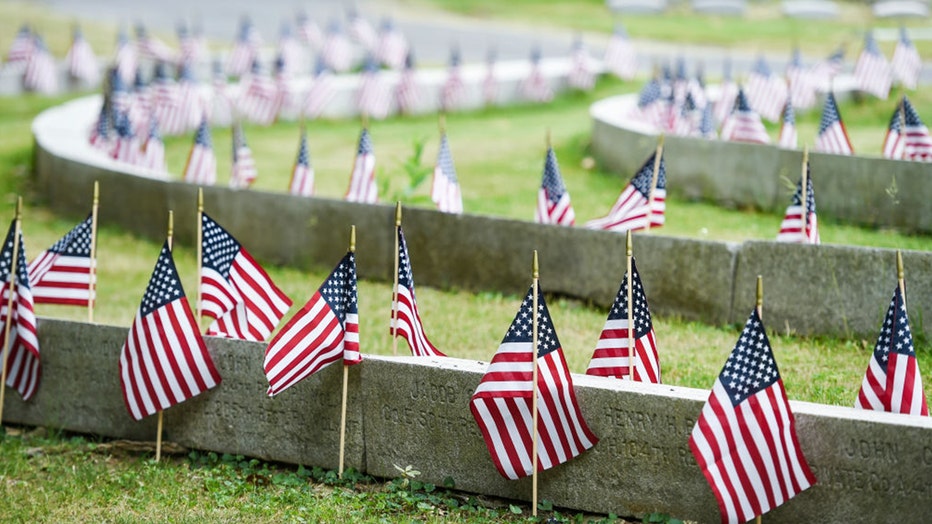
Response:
column 871, row 467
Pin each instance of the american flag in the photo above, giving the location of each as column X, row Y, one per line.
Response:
column 153, row 150
column 620, row 57
column 581, row 75
column 100, row 133
column 612, row 355
column 453, row 90
column 362, row 186
column 906, row 62
column 308, row 31
column 337, row 52
column 23, row 364
column 191, row 103
column 490, row 82
column 153, row 48
column 745, row 438
column 707, row 123
column 917, row 144
column 893, row 142
column 406, row 320
column 321, row 92
column 289, row 50
column 166, row 102
column 127, row 145
column 289, row 102
column 244, row 165
column 374, row 97
column 261, row 99
column 502, row 404
column 125, row 59
column 22, row 47
column 245, row 49
column 302, row 176
column 324, row 331
column 393, row 46
column 221, row 106
column 361, row 31
column 408, row 91
column 63, row 274
column 823, row 72
column 635, row 209
column 140, row 106
column 535, row 86
column 744, row 124
column 892, row 381
column 684, row 124
column 791, row 229
column 190, row 51
column 120, row 96
column 201, row 167
column 728, row 93
column 766, row 91
column 801, row 83
column 872, row 71
column 651, row 106
column 235, row 291
column 164, row 360
column 788, row 137
column 553, row 200
column 81, row 61
column 832, row 137
column 445, row 188
column 41, row 73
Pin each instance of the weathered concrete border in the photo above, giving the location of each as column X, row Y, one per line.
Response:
column 872, row 467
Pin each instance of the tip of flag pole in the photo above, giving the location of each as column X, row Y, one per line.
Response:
column 549, row 139
column 660, row 141
column 900, row 272
column 805, row 154
column 629, row 245
column 96, row 192
column 535, row 268
column 171, row 222
column 760, row 291
column 19, row 207
column 352, row 239
column 200, row 199
column 442, row 123
column 398, row 213
column 365, row 121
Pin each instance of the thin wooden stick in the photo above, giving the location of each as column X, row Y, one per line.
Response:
column 653, row 183
column 901, row 275
column 760, row 296
column 200, row 252
column 9, row 302
column 352, row 249
column 395, row 282
column 92, row 285
column 158, row 433
column 632, row 356
column 805, row 187
column 534, row 416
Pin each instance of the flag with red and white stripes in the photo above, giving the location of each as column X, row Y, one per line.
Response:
column 535, row 86
column 917, row 144
column 100, row 133
column 153, row 48
column 892, row 381
column 153, row 150
column 406, row 319
column 302, row 176
column 728, row 94
column 62, row 274
column 245, row 49
column 823, row 72
column 802, row 85
column 362, row 186
column 612, row 355
column 490, row 82
column 503, row 403
column 408, row 92
column 22, row 47
column 361, row 31
column 164, row 361
column 308, row 31
column 445, row 187
column 125, row 59
column 582, row 74
column 744, row 124
column 393, row 47
column 41, row 73
column 243, row 168
column 337, row 51
column 235, row 291
column 745, row 438
column 321, row 92
column 788, row 137
column 81, row 61
column 872, row 71
column 791, row 229
column 201, row 167
column 766, row 91
column 453, row 90
column 906, row 62
column 893, row 141
column 324, row 331
column 640, row 204
column 553, row 199
column 127, row 147
column 166, row 103
column 374, row 97
column 261, row 99
column 620, row 57
column 23, row 363
column 833, row 136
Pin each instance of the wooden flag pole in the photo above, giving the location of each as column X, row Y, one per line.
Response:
column 352, row 248
column 805, row 187
column 632, row 356
column 534, row 415
column 200, row 252
column 442, row 123
column 395, row 284
column 92, row 285
column 900, row 275
column 9, row 302
column 653, row 182
column 760, row 308
column 158, row 434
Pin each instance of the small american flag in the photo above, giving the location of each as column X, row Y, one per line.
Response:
column 81, row 61
column 308, row 31
column 190, row 51
column 728, row 93
column 245, row 49
column 408, row 91
column 140, row 106
column 620, row 57
column 153, row 150
column 707, row 123
column 201, row 167
column 393, row 46
column 791, row 229
column 324, row 331
column 744, row 124
column 553, row 200
column 321, row 92
column 893, row 142
column 651, row 106
column 302, row 176
column 892, row 381
column 362, row 186
column 801, row 84
column 23, row 363
column 612, row 355
column 406, row 319
column 581, row 75
column 832, row 137
column 823, row 72
column 236, row 292
column 22, row 47
column 289, row 51
column 502, row 404
column 766, row 91
column 635, row 209
column 63, row 274
column 127, row 147
column 261, row 99
column 872, row 71
column 166, row 103
column 191, row 105
column 445, row 188
column 788, row 137
column 361, row 30
column 125, row 58
column 100, row 133
column 337, row 52
column 41, row 73
column 490, row 82
column 453, row 90
column 221, row 105
column 745, row 438
column 153, row 48
column 244, row 165
column 535, row 86
column 906, row 62
column 164, row 360
column 917, row 144
column 374, row 97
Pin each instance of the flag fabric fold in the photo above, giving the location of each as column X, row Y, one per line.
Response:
column 833, row 136
column 553, row 199
column 63, row 273
column 791, row 229
column 324, row 331
column 745, row 439
column 502, row 404
column 362, row 186
column 445, row 188
column 406, row 321
column 24, row 367
column 641, row 204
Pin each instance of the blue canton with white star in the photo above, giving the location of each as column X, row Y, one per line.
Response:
column 829, row 114
column 6, row 259
column 751, row 367
column 304, row 157
column 77, row 243
column 164, row 286
column 405, row 275
column 552, row 181
column 219, row 247
column 365, row 143
column 810, row 194
column 640, row 314
column 895, row 334
column 445, row 160
column 643, row 179
column 339, row 290
column 520, row 329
